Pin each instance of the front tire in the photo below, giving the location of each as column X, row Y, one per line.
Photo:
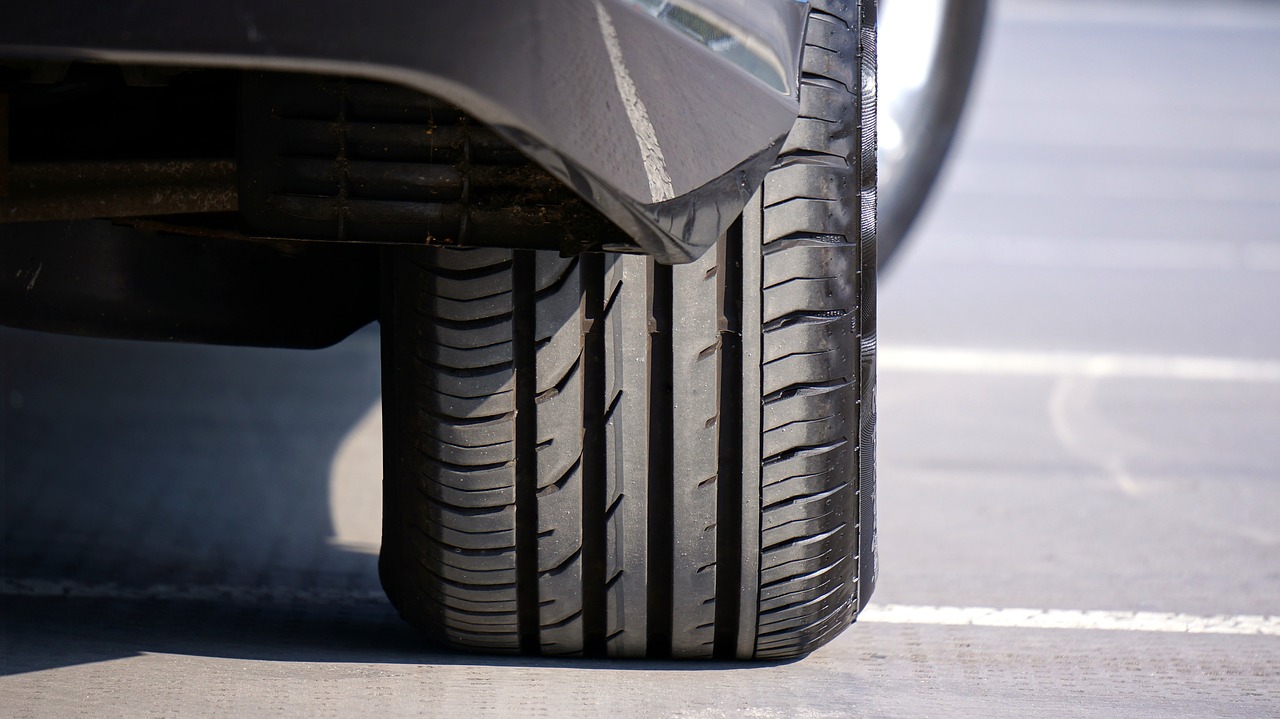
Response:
column 601, row 455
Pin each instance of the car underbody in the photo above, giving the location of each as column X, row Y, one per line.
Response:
column 144, row 145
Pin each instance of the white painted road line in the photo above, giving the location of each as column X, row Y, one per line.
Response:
column 1189, row 254
column 944, row 360
column 1244, row 15
column 1248, row 624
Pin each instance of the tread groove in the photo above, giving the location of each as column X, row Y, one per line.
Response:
column 523, row 282
column 661, row 470
column 728, row 478
column 594, row 458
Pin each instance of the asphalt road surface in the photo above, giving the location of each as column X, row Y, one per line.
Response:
column 1079, row 465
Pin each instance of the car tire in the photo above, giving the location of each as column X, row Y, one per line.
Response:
column 600, row 455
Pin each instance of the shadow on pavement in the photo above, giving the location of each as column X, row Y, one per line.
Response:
column 42, row 633
column 128, row 465
column 149, row 479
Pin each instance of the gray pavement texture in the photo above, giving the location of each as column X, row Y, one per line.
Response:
column 193, row 530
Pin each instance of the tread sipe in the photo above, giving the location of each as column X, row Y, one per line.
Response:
column 600, row 455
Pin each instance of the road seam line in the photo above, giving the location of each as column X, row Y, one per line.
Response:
column 1104, row 620
column 45, row 588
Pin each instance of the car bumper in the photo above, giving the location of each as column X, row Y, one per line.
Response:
column 664, row 114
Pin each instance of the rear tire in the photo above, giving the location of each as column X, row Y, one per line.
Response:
column 600, row 455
